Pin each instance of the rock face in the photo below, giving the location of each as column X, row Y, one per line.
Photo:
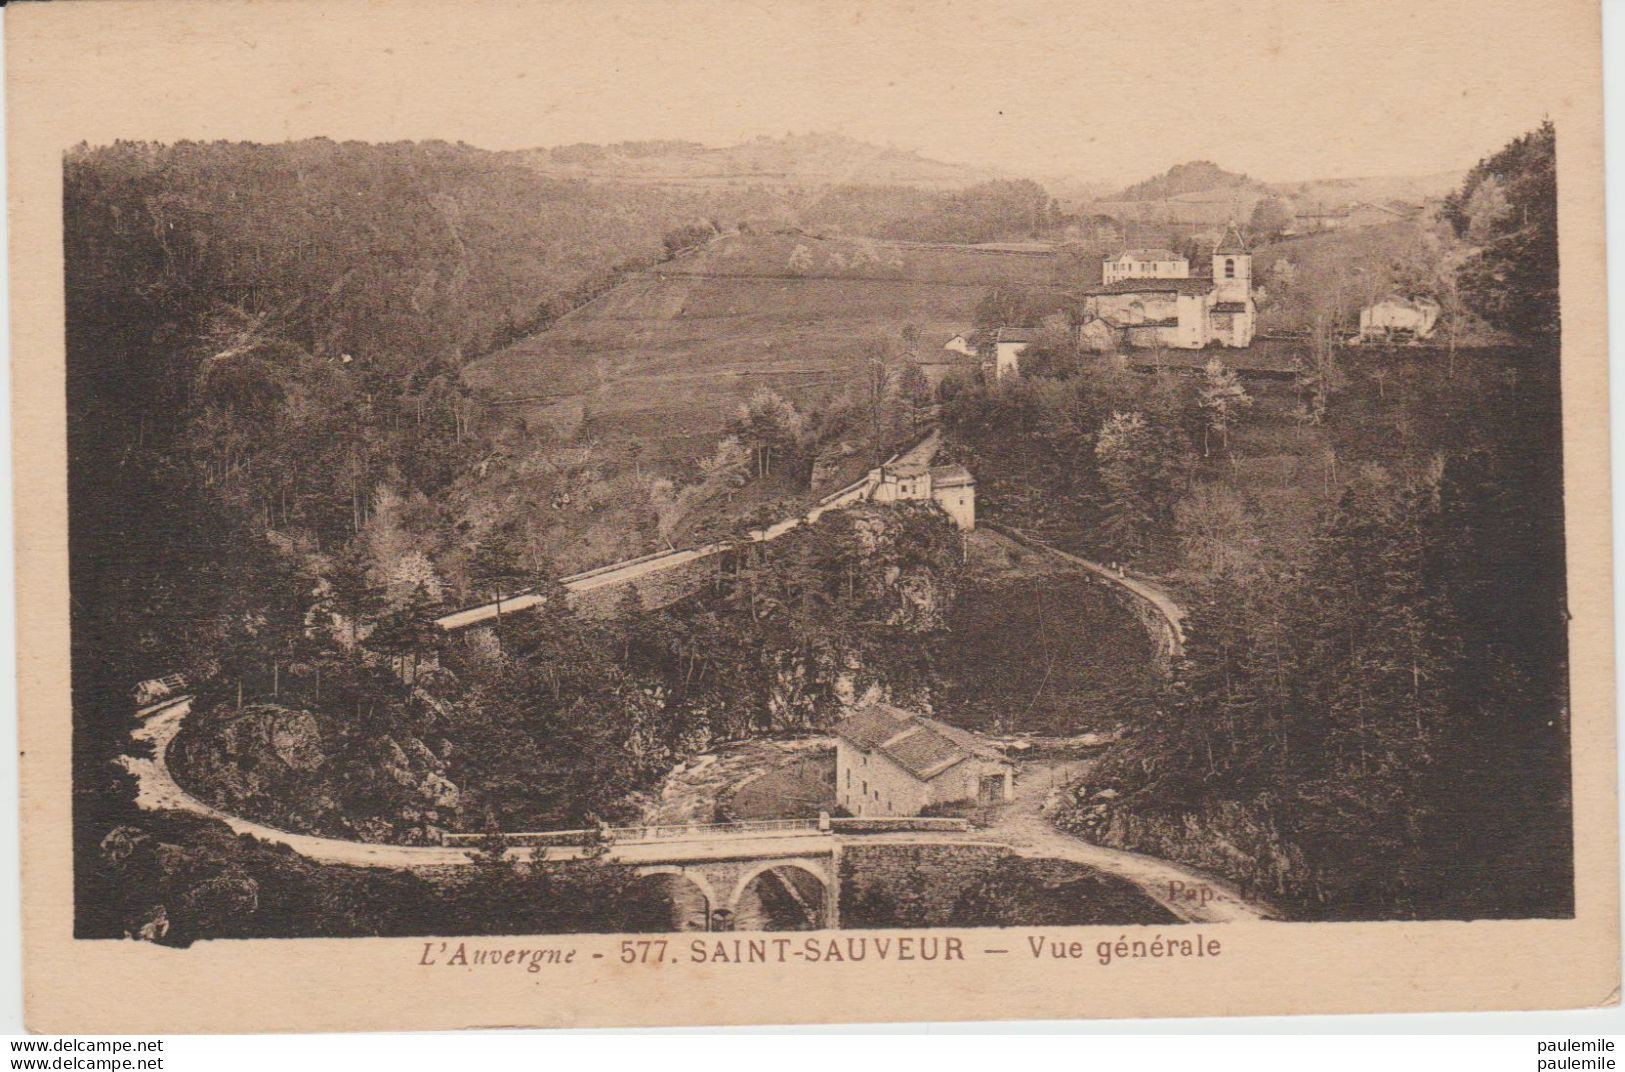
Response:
column 297, row 740
column 296, row 770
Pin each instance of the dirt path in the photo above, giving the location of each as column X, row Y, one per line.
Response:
column 156, row 789
column 1180, row 889
column 1142, row 589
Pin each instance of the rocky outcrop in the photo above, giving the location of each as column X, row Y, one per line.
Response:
column 293, row 769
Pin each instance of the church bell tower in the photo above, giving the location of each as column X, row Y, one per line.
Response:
column 1232, row 267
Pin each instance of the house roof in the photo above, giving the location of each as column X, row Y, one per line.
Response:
column 1196, row 284
column 950, row 476
column 1158, row 254
column 904, row 470
column 922, row 746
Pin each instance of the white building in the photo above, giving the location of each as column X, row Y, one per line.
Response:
column 889, row 761
column 1182, row 311
column 1144, row 264
column 1398, row 318
column 1008, row 346
column 951, row 487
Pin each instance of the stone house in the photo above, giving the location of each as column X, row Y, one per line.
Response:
column 951, row 487
column 1008, row 346
column 889, row 761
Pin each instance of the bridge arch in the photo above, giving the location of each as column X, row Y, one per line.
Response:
column 808, row 882
column 687, row 913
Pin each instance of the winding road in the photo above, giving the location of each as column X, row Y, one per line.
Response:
column 1022, row 829
column 1189, row 894
column 1171, row 614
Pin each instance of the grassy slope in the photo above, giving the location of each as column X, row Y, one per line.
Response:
column 664, row 361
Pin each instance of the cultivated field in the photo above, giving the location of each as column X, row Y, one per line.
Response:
column 667, row 357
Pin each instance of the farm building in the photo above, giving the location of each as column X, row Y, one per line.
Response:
column 1181, row 311
column 1398, row 318
column 889, row 761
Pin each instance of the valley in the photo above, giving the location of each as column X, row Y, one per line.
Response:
column 1157, row 602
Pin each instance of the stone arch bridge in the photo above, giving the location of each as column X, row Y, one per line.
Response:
column 771, row 874
column 777, row 874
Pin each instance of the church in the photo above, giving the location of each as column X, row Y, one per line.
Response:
column 1155, row 301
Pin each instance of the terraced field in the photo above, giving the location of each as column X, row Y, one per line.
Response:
column 667, row 357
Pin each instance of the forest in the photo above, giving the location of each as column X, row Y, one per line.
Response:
column 279, row 477
column 1370, row 719
column 556, row 721
column 268, row 426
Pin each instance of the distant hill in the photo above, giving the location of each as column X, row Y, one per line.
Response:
column 1377, row 188
column 1201, row 195
column 1184, row 180
column 794, row 159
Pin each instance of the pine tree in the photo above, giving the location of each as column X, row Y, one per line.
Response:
column 496, row 568
column 1221, row 398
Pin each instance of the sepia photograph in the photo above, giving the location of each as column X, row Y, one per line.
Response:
column 982, row 487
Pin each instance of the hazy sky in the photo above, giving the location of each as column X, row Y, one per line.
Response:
column 1281, row 89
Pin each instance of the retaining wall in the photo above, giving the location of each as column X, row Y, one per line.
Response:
column 891, row 824
column 923, row 881
column 657, row 588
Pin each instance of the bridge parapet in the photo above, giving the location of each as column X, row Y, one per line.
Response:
column 895, row 824
column 640, row 835
column 752, row 829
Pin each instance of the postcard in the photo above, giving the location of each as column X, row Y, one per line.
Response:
column 611, row 514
